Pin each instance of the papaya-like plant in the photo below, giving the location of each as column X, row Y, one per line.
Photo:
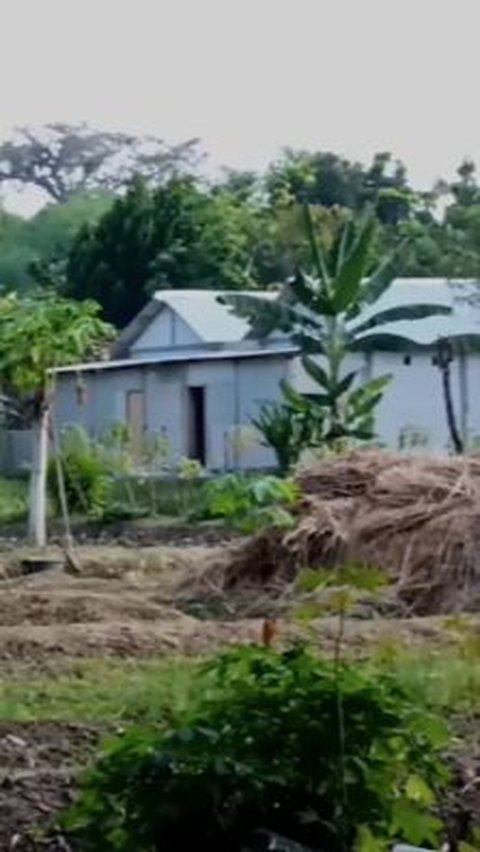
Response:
column 37, row 335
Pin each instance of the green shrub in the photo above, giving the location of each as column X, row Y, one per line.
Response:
column 249, row 503
column 13, row 500
column 86, row 474
column 287, row 431
column 338, row 758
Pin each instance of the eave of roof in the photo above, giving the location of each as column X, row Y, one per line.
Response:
column 179, row 358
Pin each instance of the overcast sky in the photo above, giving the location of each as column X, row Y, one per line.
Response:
column 252, row 76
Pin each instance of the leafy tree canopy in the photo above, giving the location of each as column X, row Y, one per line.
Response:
column 178, row 235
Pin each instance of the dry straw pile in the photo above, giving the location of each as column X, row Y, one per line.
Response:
column 418, row 518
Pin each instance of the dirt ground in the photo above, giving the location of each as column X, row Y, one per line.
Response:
column 124, row 603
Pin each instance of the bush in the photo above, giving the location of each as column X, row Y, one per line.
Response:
column 86, row 474
column 249, row 503
column 336, row 758
column 13, row 500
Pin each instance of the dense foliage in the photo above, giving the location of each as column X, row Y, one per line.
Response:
column 283, row 744
column 245, row 230
column 249, row 503
column 177, row 235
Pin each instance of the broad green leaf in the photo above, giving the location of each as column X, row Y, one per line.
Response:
column 265, row 315
column 316, row 372
column 367, row 842
column 344, row 242
column 417, row 790
column 348, row 281
column 317, row 255
column 309, row 343
column 401, row 312
column 368, row 389
column 413, row 823
column 382, row 278
column 344, row 384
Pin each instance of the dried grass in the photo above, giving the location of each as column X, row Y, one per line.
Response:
column 417, row 518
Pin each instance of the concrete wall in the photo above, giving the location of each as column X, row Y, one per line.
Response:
column 167, row 330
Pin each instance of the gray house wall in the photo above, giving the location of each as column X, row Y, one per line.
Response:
column 234, row 391
column 411, row 414
column 166, row 331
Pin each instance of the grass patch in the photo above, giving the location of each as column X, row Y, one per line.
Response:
column 103, row 691
column 449, row 681
column 13, row 500
column 162, row 689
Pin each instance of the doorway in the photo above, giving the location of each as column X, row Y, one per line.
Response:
column 196, row 444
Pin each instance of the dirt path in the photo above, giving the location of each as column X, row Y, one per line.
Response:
column 38, row 764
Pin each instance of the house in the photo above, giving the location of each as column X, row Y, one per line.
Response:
column 187, row 370
column 184, row 370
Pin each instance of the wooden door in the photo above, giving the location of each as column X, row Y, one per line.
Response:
column 136, row 421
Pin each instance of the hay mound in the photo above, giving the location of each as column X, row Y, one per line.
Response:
column 417, row 518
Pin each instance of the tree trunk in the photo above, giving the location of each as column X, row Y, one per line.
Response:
column 37, row 522
column 444, row 361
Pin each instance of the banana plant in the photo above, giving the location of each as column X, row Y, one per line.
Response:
column 287, row 430
column 326, row 313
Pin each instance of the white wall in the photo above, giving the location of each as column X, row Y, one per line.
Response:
column 258, row 383
column 472, row 381
column 166, row 330
column 413, row 408
column 412, row 411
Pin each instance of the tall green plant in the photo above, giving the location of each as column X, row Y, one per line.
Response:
column 327, row 313
column 286, row 431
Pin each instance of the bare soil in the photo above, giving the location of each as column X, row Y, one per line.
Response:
column 38, row 764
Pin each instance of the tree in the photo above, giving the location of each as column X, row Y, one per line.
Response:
column 326, row 179
column 38, row 334
column 63, row 159
column 175, row 236
column 33, row 251
column 327, row 315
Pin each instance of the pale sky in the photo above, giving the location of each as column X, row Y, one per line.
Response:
column 252, row 76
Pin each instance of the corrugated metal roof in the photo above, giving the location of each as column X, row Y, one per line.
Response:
column 184, row 356
column 209, row 318
column 215, row 322
column 461, row 296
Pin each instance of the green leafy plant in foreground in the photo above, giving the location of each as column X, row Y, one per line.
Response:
column 250, row 503
column 262, row 754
